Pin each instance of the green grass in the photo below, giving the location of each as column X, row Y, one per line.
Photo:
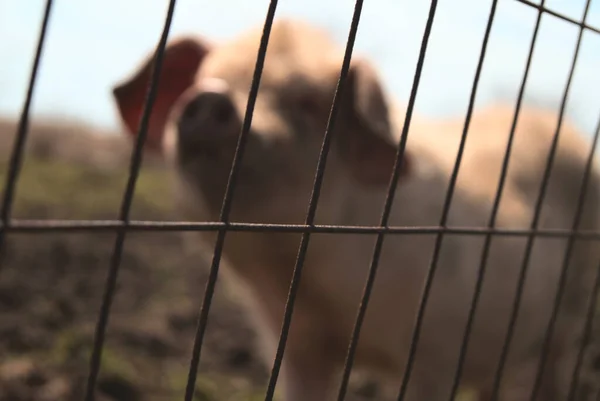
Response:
column 66, row 190
column 71, row 345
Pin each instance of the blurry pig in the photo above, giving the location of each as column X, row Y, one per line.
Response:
column 196, row 120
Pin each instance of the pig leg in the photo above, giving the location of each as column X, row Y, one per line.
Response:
column 308, row 376
column 518, row 380
column 431, row 380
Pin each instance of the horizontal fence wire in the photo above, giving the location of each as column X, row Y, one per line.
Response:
column 24, row 226
column 541, row 8
column 387, row 208
column 125, row 224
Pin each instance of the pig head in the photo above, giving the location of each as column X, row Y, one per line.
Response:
column 200, row 107
column 196, row 122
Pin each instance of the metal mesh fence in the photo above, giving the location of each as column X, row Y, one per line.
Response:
column 124, row 224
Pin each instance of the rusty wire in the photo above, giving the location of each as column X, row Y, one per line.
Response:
column 136, row 162
column 227, row 202
column 495, row 209
column 387, row 208
column 16, row 157
column 445, row 213
column 531, row 239
column 542, row 9
column 26, row 226
column 591, row 310
column 576, row 219
column 313, row 202
column 124, row 225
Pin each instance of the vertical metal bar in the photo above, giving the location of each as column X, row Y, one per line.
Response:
column 445, row 213
column 312, row 206
column 571, row 240
column 494, row 213
column 16, row 158
column 593, row 303
column 115, row 262
column 227, row 202
column 534, row 224
column 587, row 332
column 387, row 208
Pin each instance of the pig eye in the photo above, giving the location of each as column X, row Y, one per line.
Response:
column 308, row 105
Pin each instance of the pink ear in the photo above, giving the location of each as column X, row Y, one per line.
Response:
column 367, row 143
column 370, row 159
column 181, row 61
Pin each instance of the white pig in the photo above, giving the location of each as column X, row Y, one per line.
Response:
column 195, row 124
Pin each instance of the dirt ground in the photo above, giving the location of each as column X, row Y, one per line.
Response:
column 51, row 286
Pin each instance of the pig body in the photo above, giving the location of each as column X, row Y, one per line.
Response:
column 195, row 124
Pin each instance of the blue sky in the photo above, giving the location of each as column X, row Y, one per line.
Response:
column 93, row 44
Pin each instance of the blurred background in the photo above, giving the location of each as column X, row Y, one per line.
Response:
column 92, row 44
column 77, row 158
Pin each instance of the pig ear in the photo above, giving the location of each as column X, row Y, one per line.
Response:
column 181, row 60
column 367, row 143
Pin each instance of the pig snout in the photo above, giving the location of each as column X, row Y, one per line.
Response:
column 207, row 115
